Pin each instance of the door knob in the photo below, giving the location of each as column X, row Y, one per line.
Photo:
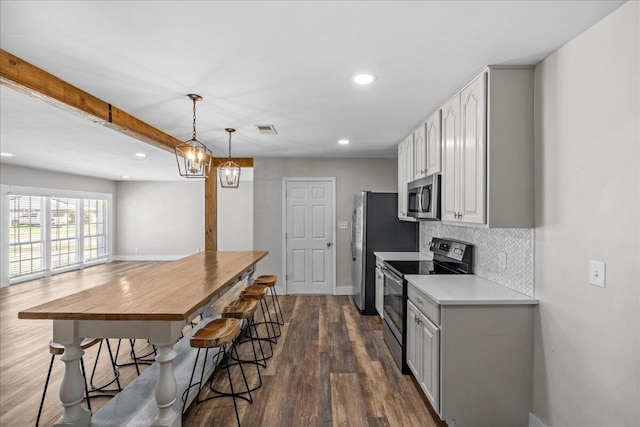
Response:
column 328, row 244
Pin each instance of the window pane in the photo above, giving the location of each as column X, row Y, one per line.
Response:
column 95, row 241
column 64, row 243
column 25, row 235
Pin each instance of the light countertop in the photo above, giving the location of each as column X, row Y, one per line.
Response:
column 463, row 289
column 404, row 256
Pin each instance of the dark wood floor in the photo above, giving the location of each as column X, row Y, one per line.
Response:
column 331, row 366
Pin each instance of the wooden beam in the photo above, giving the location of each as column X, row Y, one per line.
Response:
column 211, row 212
column 33, row 81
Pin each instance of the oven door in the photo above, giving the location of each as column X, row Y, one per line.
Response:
column 393, row 303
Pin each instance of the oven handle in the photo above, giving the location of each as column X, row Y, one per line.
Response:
column 388, row 274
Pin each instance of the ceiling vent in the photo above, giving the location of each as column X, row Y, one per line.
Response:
column 267, row 129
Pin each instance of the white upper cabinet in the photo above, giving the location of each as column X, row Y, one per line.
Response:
column 410, row 165
column 419, row 153
column 481, row 141
column 433, row 144
column 451, row 169
column 487, row 136
column 405, row 175
column 465, row 144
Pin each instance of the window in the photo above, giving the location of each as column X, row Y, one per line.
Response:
column 95, row 237
column 52, row 234
column 64, row 235
column 25, row 235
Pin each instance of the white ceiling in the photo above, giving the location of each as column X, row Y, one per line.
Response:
column 284, row 63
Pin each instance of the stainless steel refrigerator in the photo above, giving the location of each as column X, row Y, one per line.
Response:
column 375, row 227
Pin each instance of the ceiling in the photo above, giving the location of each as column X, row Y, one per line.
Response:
column 284, row 63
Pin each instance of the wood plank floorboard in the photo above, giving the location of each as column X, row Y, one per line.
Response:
column 330, row 367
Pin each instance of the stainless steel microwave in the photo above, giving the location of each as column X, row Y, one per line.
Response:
column 424, row 198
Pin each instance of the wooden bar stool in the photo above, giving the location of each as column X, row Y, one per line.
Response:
column 221, row 334
column 259, row 293
column 244, row 309
column 57, row 350
column 271, row 280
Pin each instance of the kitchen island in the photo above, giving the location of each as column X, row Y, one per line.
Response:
column 154, row 304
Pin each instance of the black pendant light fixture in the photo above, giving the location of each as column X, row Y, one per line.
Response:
column 193, row 157
column 229, row 172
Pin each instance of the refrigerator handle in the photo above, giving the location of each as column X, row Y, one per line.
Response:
column 353, row 235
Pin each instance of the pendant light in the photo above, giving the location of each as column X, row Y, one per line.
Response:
column 193, row 157
column 229, row 172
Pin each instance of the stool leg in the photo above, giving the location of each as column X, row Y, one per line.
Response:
column 244, row 377
column 273, row 340
column 276, row 302
column 255, row 330
column 116, row 373
column 272, row 323
column 185, row 394
column 86, row 388
column 255, row 356
column 235, row 405
column 44, row 393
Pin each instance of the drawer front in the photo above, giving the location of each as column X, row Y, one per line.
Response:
column 425, row 304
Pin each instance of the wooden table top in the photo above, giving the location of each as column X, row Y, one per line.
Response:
column 170, row 291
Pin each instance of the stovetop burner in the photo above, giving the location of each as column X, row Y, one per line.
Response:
column 417, row 267
column 449, row 257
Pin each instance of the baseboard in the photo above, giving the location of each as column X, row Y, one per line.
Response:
column 344, row 290
column 148, row 257
column 535, row 421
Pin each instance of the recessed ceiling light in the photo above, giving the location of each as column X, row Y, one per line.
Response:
column 6, row 154
column 141, row 155
column 364, row 79
column 125, row 176
column 343, row 141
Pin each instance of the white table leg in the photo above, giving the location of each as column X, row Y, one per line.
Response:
column 166, row 388
column 72, row 388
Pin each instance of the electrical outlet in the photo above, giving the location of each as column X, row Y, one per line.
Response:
column 597, row 273
column 343, row 225
column 502, row 260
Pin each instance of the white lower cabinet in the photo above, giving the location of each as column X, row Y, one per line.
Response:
column 379, row 291
column 473, row 362
column 423, row 353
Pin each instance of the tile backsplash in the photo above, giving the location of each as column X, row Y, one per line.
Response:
column 517, row 243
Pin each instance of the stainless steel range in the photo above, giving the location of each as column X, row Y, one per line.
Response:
column 449, row 257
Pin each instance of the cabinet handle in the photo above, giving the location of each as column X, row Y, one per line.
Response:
column 419, row 300
column 418, row 321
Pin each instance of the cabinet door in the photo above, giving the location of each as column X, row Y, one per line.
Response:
column 433, row 143
column 473, row 148
column 450, row 167
column 410, row 166
column 419, row 150
column 402, row 186
column 379, row 291
column 430, row 358
column 414, row 338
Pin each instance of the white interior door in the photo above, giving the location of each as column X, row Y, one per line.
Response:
column 309, row 237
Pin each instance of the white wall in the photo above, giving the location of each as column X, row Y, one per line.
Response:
column 16, row 175
column 352, row 176
column 235, row 215
column 587, row 339
column 159, row 220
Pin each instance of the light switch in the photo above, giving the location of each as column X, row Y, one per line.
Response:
column 597, row 273
column 343, row 225
column 502, row 260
